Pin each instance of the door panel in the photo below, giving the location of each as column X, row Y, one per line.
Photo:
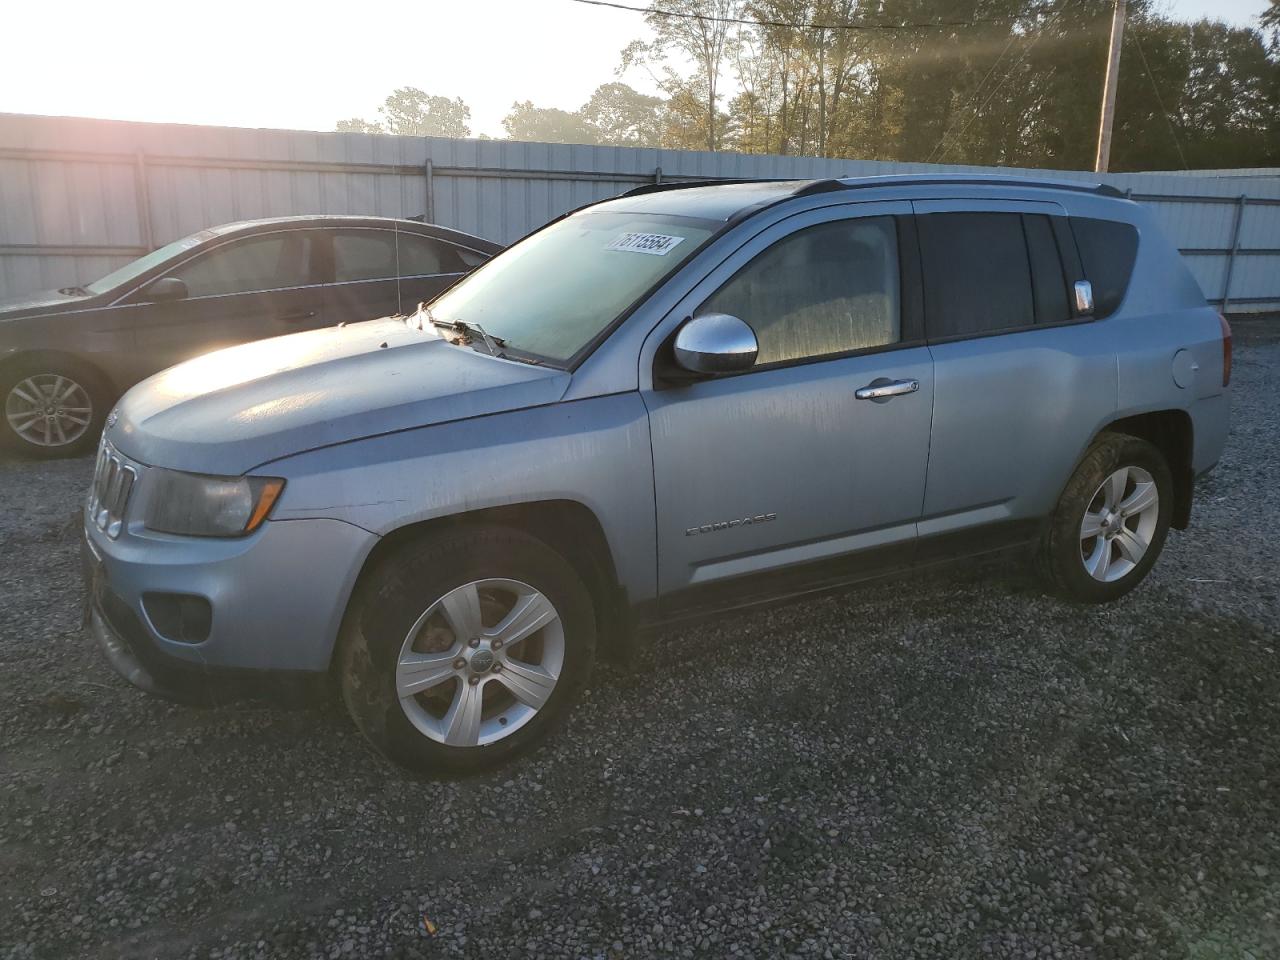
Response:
column 1019, row 392
column 169, row 333
column 780, row 478
column 829, row 474
column 1011, row 415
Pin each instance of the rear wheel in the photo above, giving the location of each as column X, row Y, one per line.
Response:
column 463, row 650
column 1111, row 521
column 52, row 407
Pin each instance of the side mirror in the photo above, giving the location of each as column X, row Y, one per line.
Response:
column 1083, row 293
column 716, row 343
column 164, row 290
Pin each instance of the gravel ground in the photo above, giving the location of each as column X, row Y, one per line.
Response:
column 951, row 767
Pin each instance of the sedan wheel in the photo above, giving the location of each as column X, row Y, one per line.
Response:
column 48, row 410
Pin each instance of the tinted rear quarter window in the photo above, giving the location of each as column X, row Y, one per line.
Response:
column 1108, row 250
column 1048, row 285
column 977, row 275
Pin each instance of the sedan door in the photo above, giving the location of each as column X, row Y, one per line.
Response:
column 809, row 468
column 376, row 272
column 246, row 289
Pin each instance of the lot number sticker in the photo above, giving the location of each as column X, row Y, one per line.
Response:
column 655, row 244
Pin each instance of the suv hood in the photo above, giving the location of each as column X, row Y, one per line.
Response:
column 232, row 410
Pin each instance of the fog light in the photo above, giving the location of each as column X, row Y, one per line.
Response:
column 180, row 617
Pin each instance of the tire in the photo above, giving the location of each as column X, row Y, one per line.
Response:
column 1107, row 559
column 51, row 407
column 404, row 626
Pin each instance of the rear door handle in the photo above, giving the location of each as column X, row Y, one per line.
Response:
column 884, row 388
column 298, row 317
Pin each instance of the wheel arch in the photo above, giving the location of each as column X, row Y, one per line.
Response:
column 23, row 357
column 567, row 526
column 1173, row 434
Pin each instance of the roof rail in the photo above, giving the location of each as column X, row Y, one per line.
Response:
column 689, row 184
column 856, row 182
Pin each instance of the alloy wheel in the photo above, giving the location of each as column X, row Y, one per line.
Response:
column 1119, row 524
column 480, row 662
column 48, row 410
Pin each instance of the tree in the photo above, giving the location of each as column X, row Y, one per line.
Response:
column 356, row 125
column 546, row 124
column 410, row 112
column 701, row 31
column 622, row 116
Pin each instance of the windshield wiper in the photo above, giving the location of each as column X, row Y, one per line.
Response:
column 469, row 331
column 74, row 291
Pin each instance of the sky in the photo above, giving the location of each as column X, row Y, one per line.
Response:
column 280, row 63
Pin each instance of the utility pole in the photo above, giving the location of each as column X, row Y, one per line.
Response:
column 1103, row 159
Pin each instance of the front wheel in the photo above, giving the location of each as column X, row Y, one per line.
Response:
column 464, row 649
column 1110, row 523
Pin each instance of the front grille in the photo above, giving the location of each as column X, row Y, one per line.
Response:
column 112, row 483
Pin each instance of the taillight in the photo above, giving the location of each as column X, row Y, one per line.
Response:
column 1226, row 350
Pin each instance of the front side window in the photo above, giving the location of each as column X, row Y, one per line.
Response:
column 828, row 289
column 554, row 292
column 385, row 254
column 272, row 262
column 136, row 268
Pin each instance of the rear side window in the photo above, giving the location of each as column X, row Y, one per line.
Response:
column 977, row 275
column 1107, row 252
column 827, row 289
column 382, row 255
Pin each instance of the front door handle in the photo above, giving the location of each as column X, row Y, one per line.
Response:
column 884, row 388
column 298, row 317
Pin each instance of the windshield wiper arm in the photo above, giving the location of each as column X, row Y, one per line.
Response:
column 469, row 331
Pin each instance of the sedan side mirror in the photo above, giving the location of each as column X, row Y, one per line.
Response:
column 716, row 343
column 164, row 290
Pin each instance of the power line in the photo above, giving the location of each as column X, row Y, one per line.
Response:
column 996, row 88
column 976, row 90
column 1155, row 88
column 793, row 25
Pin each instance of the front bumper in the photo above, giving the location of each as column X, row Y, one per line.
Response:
column 277, row 600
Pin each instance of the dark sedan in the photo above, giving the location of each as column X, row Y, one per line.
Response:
column 66, row 356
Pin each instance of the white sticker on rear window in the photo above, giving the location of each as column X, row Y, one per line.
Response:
column 656, row 244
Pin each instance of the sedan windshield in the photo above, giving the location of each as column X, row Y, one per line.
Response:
column 553, row 293
column 136, row 268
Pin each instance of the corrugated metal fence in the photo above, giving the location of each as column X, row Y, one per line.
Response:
column 81, row 197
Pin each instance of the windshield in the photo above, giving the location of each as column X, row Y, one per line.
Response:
column 553, row 293
column 136, row 268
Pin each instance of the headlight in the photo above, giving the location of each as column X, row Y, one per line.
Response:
column 200, row 506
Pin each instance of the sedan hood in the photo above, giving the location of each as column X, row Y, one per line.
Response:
column 47, row 301
column 230, row 411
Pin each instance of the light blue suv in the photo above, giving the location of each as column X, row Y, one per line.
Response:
column 688, row 399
